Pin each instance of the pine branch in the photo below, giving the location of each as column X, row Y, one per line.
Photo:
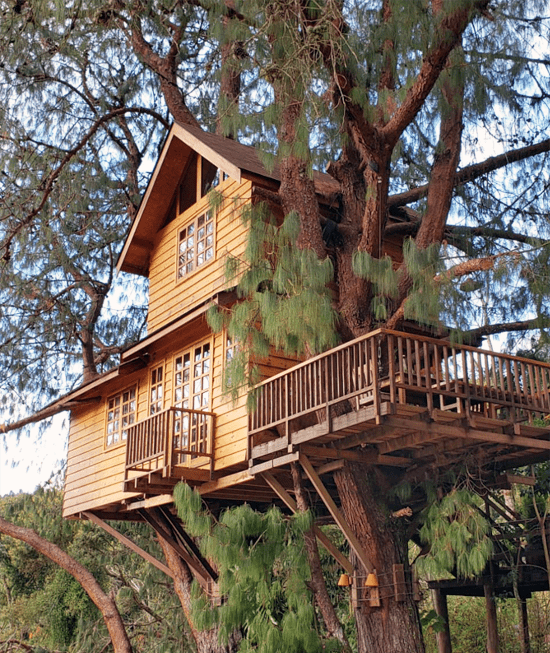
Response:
column 47, row 184
column 541, row 322
column 491, row 233
column 450, row 31
column 474, row 171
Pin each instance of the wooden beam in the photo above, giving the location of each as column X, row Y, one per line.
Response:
column 336, row 514
column 127, row 542
column 448, row 430
column 367, row 457
column 160, row 500
column 492, row 625
column 291, row 503
column 198, row 570
column 521, row 480
column 225, row 481
column 274, row 463
column 443, row 636
column 164, row 515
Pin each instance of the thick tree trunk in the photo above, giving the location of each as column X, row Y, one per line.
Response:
column 394, row 627
column 105, row 604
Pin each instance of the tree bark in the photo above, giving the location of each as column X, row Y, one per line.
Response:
column 317, row 583
column 395, row 626
column 105, row 604
column 492, row 624
column 206, row 641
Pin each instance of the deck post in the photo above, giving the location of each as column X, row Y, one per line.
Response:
column 492, row 624
column 442, row 637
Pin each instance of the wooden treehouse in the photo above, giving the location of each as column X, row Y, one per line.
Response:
column 404, row 401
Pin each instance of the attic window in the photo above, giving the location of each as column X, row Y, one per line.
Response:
column 195, row 244
column 199, row 177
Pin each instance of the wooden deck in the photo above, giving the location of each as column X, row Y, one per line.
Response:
column 401, row 400
column 417, row 404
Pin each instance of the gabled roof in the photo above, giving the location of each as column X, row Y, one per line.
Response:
column 227, row 155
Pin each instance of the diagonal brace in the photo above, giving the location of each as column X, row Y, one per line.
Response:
column 336, row 514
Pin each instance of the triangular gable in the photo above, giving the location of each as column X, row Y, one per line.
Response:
column 228, row 156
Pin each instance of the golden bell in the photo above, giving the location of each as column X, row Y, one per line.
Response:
column 372, row 580
column 345, row 581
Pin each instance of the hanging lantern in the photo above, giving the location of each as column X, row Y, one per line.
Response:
column 372, row 580
column 345, row 581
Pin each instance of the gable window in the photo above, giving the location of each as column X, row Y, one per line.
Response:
column 195, row 244
column 156, row 391
column 121, row 414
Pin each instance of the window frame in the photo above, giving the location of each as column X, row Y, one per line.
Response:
column 154, row 385
column 121, row 431
column 209, row 215
column 188, row 424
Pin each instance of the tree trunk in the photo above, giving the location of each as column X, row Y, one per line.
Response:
column 394, row 627
column 206, row 641
column 492, row 623
column 317, row 584
column 104, row 603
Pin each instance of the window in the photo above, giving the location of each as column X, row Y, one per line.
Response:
column 195, row 244
column 121, row 413
column 231, row 349
column 192, row 390
column 156, row 393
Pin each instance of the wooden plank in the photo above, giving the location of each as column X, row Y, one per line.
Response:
column 369, row 458
column 325, row 541
column 468, row 433
column 128, row 542
column 225, row 481
column 336, row 514
column 151, row 502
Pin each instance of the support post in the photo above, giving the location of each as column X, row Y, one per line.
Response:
column 524, row 642
column 443, row 637
column 492, row 625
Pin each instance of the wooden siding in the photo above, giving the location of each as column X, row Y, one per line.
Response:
column 95, row 473
column 168, row 297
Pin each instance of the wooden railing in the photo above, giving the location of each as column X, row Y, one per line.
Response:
column 176, row 436
column 403, row 369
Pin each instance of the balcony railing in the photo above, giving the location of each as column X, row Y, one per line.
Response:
column 403, row 369
column 176, row 436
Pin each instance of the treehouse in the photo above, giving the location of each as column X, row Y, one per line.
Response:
column 412, row 403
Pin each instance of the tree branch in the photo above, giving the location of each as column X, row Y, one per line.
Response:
column 474, row 171
column 450, row 31
column 47, row 184
column 105, row 604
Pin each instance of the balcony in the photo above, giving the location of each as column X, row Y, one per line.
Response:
column 395, row 393
column 171, row 444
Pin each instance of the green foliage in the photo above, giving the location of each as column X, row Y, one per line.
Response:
column 422, row 265
column 264, row 576
column 44, row 606
column 384, row 279
column 285, row 301
column 458, row 536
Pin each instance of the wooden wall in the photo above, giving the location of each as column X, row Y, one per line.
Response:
column 95, row 473
column 170, row 298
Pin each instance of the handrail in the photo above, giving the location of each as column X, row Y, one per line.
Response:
column 404, row 368
column 171, row 437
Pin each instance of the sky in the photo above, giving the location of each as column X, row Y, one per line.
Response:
column 32, row 461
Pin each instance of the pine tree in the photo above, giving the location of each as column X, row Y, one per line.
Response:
column 401, row 101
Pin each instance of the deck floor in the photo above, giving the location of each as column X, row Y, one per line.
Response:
column 409, row 438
